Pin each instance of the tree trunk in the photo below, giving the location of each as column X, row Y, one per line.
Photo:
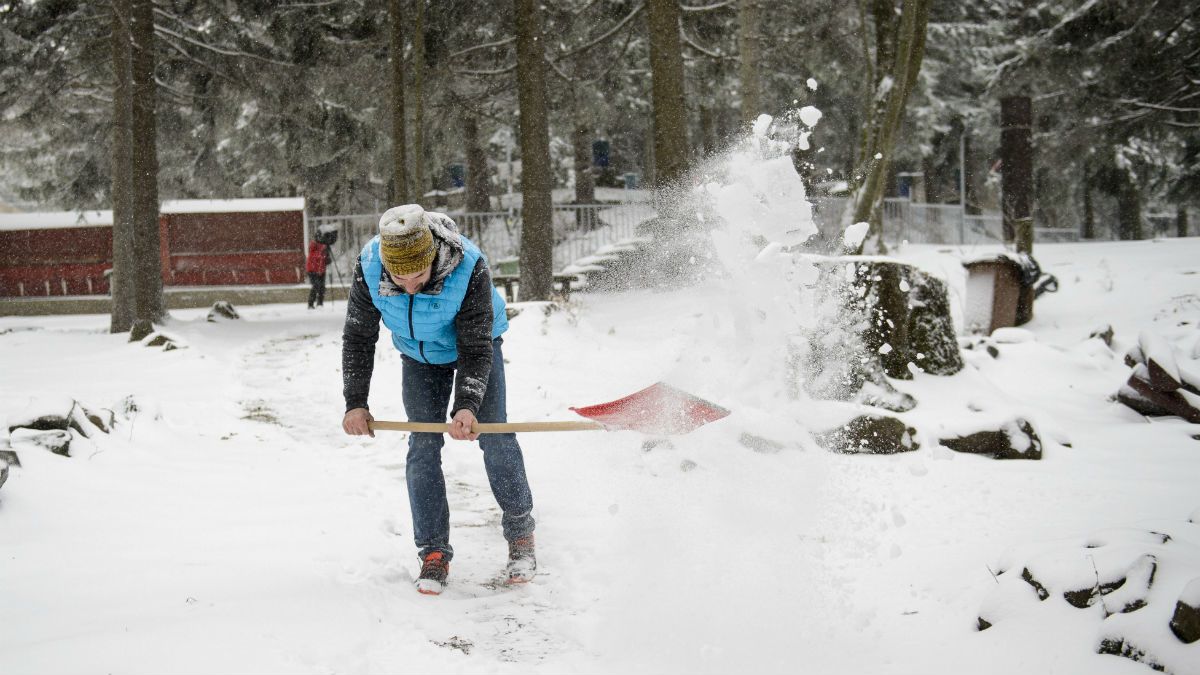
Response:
column 1129, row 209
column 401, row 193
column 121, row 283
column 708, row 130
column 1181, row 220
column 648, row 154
column 973, row 180
column 1016, row 174
column 585, row 182
column 900, row 47
column 749, row 37
column 1089, row 210
column 418, row 65
column 147, row 249
column 479, row 182
column 537, row 234
column 666, row 73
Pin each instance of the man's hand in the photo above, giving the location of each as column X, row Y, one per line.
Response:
column 357, row 422
column 461, row 425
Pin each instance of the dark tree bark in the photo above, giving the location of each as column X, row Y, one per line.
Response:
column 708, row 129
column 418, row 66
column 1089, row 210
column 648, row 155
column 585, row 183
column 1016, row 173
column 749, row 37
column 147, row 250
column 479, row 183
column 1181, row 221
column 1129, row 209
column 537, row 235
column 899, row 50
column 666, row 73
column 401, row 193
column 973, row 181
column 121, row 283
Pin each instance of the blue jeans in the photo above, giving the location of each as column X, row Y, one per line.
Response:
column 427, row 389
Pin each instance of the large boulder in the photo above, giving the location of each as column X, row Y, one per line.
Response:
column 887, row 320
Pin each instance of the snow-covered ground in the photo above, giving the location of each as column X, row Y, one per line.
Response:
column 229, row 525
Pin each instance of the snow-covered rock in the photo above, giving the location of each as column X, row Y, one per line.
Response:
column 1013, row 439
column 62, row 413
column 870, row 434
column 1185, row 622
column 57, row 441
column 1131, row 582
column 223, row 310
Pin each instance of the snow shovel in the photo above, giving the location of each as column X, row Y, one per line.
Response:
column 659, row 409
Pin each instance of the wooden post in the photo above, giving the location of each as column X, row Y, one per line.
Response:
column 1016, row 179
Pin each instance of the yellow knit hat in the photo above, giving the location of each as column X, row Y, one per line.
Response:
column 405, row 241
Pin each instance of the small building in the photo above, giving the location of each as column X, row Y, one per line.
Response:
column 203, row 243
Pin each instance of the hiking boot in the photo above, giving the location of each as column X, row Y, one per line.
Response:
column 522, row 564
column 434, row 570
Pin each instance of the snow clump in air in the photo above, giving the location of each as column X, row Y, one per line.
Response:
column 755, row 208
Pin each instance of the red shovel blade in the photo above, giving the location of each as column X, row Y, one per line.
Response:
column 657, row 409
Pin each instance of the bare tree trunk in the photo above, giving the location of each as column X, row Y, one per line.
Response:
column 147, row 250
column 401, row 192
column 537, row 234
column 1181, row 221
column 973, row 180
column 418, row 64
column 479, row 183
column 1129, row 209
column 1089, row 211
column 648, row 154
column 585, row 182
column 749, row 37
column 122, row 281
column 1016, row 177
column 708, row 130
column 899, row 49
column 666, row 73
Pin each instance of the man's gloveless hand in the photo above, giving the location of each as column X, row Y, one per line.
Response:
column 357, row 422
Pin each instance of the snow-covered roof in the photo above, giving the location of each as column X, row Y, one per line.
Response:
column 61, row 219
column 233, row 205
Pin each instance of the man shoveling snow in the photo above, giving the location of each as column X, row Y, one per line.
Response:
column 432, row 288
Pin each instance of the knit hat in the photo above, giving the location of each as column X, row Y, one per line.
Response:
column 405, row 241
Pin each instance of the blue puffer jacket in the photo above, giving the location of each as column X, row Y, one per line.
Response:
column 422, row 325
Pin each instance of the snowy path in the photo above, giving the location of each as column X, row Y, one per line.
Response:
column 232, row 527
column 476, row 615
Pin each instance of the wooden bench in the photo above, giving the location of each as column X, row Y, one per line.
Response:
column 563, row 282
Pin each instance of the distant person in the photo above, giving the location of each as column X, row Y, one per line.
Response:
column 318, row 259
column 432, row 288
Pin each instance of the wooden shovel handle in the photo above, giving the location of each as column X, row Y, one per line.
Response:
column 485, row 428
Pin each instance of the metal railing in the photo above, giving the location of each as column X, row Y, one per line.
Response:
column 579, row 230
column 919, row 223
